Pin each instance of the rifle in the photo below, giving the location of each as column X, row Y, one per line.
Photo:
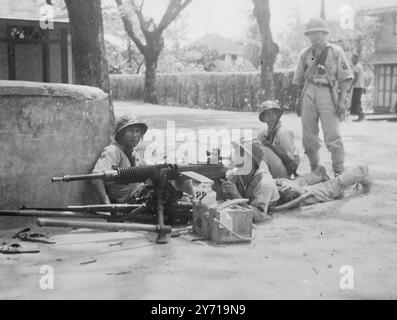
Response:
column 271, row 133
column 289, row 164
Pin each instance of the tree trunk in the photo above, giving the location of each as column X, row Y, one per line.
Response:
column 269, row 48
column 88, row 44
column 150, row 93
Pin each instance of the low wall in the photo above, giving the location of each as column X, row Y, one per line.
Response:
column 49, row 130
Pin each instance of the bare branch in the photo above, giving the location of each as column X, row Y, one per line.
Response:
column 141, row 6
column 129, row 28
column 173, row 10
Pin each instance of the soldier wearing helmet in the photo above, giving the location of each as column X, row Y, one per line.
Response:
column 129, row 131
column 324, row 76
column 282, row 155
column 255, row 183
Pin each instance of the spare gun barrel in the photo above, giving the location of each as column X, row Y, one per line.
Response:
column 103, row 225
column 93, row 208
column 50, row 214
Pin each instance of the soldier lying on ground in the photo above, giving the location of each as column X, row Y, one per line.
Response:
column 282, row 156
column 265, row 193
column 129, row 131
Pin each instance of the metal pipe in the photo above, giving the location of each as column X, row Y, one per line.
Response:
column 108, row 226
column 50, row 214
column 93, row 208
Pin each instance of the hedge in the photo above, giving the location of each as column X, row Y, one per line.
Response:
column 231, row 91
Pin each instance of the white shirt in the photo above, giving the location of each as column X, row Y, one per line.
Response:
column 359, row 69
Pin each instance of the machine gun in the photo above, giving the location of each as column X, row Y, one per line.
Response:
column 163, row 196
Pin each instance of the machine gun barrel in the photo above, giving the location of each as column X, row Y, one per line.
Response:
column 106, row 175
column 152, row 172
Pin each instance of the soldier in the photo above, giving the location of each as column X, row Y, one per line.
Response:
column 322, row 71
column 129, row 131
column 267, row 194
column 282, row 156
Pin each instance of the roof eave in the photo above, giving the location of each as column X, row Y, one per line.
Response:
column 377, row 11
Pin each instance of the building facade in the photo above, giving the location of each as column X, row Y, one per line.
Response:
column 30, row 52
column 384, row 60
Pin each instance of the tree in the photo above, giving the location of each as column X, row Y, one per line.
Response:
column 121, row 52
column 88, row 44
column 153, row 36
column 269, row 48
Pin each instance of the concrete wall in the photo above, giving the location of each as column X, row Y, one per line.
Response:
column 49, row 130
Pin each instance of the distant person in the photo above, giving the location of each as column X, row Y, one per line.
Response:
column 322, row 67
column 358, row 87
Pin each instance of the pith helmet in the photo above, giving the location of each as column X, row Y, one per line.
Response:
column 128, row 120
column 316, row 24
column 266, row 107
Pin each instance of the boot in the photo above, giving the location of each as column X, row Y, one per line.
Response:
column 316, row 176
column 314, row 160
column 359, row 175
column 338, row 159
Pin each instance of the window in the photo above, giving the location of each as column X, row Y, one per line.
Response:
column 386, row 86
column 26, row 33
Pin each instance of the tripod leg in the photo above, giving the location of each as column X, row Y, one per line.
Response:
column 161, row 237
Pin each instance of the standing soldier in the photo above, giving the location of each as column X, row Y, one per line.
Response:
column 324, row 76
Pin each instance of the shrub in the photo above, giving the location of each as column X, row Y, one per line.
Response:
column 229, row 91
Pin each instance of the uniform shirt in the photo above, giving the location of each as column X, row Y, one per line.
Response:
column 285, row 139
column 261, row 190
column 336, row 62
column 359, row 69
column 113, row 155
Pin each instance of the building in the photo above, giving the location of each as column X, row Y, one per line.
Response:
column 384, row 58
column 230, row 51
column 30, row 52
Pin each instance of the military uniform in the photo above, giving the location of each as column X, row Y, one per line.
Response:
column 317, row 103
column 315, row 72
column 260, row 189
column 114, row 155
column 331, row 189
column 281, row 138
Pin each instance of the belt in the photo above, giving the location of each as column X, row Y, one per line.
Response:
column 319, row 84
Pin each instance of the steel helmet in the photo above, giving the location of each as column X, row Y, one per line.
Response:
column 316, row 24
column 266, row 107
column 128, row 120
